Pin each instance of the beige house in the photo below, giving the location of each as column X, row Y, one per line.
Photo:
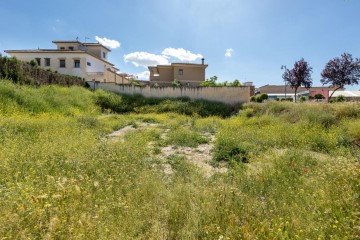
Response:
column 188, row 74
column 86, row 60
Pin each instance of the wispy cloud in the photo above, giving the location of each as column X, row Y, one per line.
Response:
column 181, row 54
column 145, row 59
column 108, row 42
column 228, row 52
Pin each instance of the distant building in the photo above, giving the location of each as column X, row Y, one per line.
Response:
column 188, row 74
column 348, row 95
column 86, row 60
column 282, row 91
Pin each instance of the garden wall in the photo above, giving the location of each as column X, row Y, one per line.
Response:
column 227, row 95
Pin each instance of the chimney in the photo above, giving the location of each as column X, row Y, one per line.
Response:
column 202, row 61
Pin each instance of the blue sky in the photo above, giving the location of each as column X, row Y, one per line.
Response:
column 262, row 34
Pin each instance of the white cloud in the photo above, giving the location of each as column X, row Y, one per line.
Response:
column 108, row 42
column 181, row 54
column 228, row 52
column 143, row 75
column 145, row 59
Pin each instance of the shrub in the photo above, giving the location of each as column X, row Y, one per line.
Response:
column 259, row 98
column 340, row 98
column 319, row 96
column 263, row 96
column 230, row 150
column 288, row 99
column 176, row 83
column 33, row 63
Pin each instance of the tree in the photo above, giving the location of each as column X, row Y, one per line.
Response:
column 209, row 82
column 300, row 75
column 319, row 97
column 235, row 83
column 341, row 71
column 212, row 83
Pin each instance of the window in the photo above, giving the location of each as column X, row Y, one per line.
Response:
column 38, row 60
column 62, row 63
column 62, row 48
column 104, row 55
column 47, row 62
column 71, row 48
column 76, row 63
column 181, row 72
column 88, row 63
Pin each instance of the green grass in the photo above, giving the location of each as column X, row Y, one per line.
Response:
column 183, row 136
column 293, row 170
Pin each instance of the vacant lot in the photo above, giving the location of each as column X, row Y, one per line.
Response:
column 73, row 168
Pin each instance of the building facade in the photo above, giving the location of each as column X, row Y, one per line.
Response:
column 85, row 60
column 187, row 74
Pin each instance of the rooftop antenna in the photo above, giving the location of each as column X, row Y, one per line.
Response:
column 77, row 38
column 86, row 38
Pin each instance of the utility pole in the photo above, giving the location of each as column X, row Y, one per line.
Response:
column 284, row 67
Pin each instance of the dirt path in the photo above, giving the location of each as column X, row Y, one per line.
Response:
column 119, row 134
column 200, row 156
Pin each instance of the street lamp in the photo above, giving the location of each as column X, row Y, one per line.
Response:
column 284, row 67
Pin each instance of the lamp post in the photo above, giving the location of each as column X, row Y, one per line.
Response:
column 284, row 67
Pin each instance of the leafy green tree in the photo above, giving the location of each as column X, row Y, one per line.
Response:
column 235, row 83
column 209, row 82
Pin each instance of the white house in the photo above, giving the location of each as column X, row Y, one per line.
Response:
column 86, row 60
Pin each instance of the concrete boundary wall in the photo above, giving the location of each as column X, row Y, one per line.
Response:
column 227, row 95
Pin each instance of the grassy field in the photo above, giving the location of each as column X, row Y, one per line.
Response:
column 275, row 170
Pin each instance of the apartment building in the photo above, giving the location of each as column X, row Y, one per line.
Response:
column 86, row 60
column 188, row 74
